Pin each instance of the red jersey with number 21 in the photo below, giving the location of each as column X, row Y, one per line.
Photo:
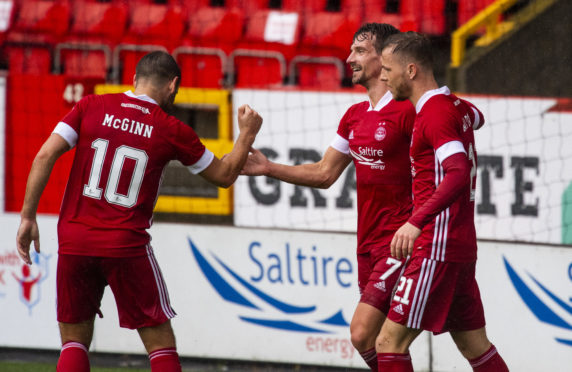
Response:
column 443, row 122
column 123, row 142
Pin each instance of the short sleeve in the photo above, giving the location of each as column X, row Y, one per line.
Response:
column 441, row 131
column 343, row 127
column 189, row 149
column 69, row 127
column 476, row 115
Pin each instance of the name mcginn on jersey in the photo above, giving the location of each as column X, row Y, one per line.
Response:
column 128, row 125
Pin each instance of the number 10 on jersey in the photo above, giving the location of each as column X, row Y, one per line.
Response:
column 92, row 189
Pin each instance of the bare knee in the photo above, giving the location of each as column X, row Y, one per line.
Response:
column 362, row 338
column 471, row 344
column 81, row 332
column 157, row 337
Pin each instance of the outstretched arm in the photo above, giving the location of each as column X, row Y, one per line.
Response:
column 321, row 174
column 223, row 172
column 54, row 147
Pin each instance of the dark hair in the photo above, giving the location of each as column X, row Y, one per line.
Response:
column 381, row 31
column 412, row 45
column 160, row 67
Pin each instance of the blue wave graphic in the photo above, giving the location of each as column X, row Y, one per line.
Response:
column 565, row 342
column 286, row 325
column 538, row 308
column 282, row 306
column 218, row 283
column 337, row 319
column 554, row 298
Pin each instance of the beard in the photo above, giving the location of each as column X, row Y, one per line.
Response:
column 401, row 92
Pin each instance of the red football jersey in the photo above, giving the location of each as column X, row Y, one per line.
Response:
column 123, row 142
column 378, row 140
column 443, row 127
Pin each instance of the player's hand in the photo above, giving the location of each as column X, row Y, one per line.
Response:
column 27, row 233
column 402, row 242
column 256, row 164
column 249, row 121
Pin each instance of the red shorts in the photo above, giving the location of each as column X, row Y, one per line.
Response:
column 377, row 276
column 137, row 284
column 438, row 297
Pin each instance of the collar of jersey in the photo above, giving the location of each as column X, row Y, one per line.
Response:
column 142, row 97
column 429, row 94
column 382, row 102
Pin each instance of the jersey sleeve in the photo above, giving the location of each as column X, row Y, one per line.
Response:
column 477, row 117
column 442, row 133
column 69, row 127
column 189, row 149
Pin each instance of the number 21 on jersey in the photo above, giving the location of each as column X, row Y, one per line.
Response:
column 92, row 189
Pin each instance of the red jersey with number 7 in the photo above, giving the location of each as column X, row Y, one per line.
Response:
column 443, row 127
column 123, row 142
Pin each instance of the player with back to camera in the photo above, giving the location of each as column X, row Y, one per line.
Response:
column 375, row 134
column 439, row 292
column 123, row 142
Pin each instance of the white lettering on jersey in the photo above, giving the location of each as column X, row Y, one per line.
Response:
column 364, row 154
column 144, row 110
column 128, row 125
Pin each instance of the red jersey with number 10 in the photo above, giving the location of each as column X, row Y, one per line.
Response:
column 445, row 122
column 378, row 141
column 123, row 144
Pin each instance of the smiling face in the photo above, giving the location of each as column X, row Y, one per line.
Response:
column 394, row 74
column 364, row 60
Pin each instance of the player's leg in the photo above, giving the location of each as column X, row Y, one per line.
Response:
column 159, row 341
column 478, row 350
column 76, row 338
column 467, row 324
column 79, row 291
column 364, row 328
column 378, row 274
column 143, row 303
column 392, row 346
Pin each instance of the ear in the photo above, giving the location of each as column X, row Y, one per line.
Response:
column 174, row 84
column 411, row 71
column 135, row 80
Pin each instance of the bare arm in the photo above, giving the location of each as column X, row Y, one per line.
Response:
column 54, row 147
column 223, row 172
column 321, row 174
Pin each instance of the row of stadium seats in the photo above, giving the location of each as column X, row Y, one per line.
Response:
column 224, row 43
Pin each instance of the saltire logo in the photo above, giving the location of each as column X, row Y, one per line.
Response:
column 291, row 317
column 30, row 279
column 546, row 312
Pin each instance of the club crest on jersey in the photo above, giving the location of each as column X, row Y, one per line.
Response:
column 379, row 133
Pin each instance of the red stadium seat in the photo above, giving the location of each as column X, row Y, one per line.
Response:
column 213, row 26
column 152, row 27
column 29, row 60
column 85, row 63
column 212, row 35
column 317, row 72
column 269, row 43
column 156, row 24
column 201, row 67
column 376, row 11
column 37, row 27
column 467, row 9
column 429, row 15
column 96, row 29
